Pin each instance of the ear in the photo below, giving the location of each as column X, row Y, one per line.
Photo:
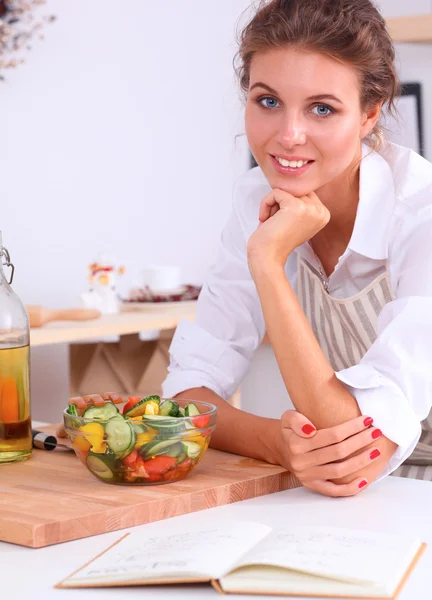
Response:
column 370, row 119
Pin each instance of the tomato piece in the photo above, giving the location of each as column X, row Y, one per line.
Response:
column 201, row 421
column 206, row 432
column 154, row 477
column 130, row 460
column 132, row 400
column 172, row 475
column 82, row 455
column 185, row 465
column 159, row 464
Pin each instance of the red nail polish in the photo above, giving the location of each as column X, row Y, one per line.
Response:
column 374, row 454
column 368, row 421
column 376, row 434
column 308, row 429
column 362, row 483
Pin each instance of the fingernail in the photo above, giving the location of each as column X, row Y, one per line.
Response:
column 362, row 483
column 308, row 429
column 374, row 454
column 376, row 433
column 368, row 421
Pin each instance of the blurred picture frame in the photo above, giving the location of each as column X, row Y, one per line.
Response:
column 408, row 128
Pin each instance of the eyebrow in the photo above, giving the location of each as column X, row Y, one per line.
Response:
column 315, row 98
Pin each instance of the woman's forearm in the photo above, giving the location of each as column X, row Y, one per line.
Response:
column 237, row 431
column 309, row 378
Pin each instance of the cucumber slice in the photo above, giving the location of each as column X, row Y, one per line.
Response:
column 165, row 425
column 181, row 411
column 166, row 447
column 100, row 467
column 139, row 428
column 177, row 451
column 69, row 421
column 169, row 408
column 101, row 413
column 72, row 410
column 154, row 398
column 138, row 409
column 120, row 436
column 193, row 450
column 131, row 447
column 160, row 418
column 191, row 410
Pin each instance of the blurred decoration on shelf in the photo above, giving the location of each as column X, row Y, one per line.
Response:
column 18, row 27
column 145, row 294
column 102, row 293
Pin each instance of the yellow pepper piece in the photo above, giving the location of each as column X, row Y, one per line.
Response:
column 100, row 448
column 197, row 438
column 136, row 419
column 151, row 408
column 80, row 443
column 94, row 433
column 144, row 438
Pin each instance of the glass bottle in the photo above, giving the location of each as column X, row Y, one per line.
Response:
column 15, row 423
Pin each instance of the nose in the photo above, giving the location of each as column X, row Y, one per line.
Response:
column 293, row 137
column 292, row 133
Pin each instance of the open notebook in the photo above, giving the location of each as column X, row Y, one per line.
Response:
column 248, row 557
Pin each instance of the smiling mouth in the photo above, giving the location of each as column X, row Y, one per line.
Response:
column 292, row 164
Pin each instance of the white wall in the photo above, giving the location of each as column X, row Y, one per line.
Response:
column 402, row 8
column 119, row 136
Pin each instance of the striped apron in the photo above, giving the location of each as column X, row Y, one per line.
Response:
column 346, row 329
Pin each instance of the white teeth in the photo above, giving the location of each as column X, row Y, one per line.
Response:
column 294, row 164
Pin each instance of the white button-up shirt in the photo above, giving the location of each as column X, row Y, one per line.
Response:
column 393, row 231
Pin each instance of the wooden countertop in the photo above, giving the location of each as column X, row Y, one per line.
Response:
column 120, row 324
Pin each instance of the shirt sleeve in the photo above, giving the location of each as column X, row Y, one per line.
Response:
column 393, row 381
column 215, row 350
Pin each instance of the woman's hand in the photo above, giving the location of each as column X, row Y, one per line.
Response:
column 285, row 222
column 317, row 457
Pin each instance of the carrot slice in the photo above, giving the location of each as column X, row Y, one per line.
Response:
column 9, row 401
column 1, row 387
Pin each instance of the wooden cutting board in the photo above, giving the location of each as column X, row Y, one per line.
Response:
column 53, row 498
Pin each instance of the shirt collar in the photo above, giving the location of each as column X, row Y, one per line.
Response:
column 376, row 203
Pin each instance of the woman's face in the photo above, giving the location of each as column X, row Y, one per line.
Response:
column 304, row 107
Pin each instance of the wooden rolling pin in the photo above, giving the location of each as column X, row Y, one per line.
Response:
column 40, row 315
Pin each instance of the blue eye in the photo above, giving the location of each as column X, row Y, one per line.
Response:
column 268, row 102
column 322, row 110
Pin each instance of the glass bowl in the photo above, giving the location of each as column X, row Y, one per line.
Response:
column 144, row 450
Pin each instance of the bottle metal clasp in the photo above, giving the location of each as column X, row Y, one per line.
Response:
column 4, row 252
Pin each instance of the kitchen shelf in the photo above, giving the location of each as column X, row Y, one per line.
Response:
column 415, row 29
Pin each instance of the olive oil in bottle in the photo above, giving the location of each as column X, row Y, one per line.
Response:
column 15, row 423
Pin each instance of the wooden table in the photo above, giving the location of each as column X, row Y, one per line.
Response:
column 53, row 498
column 392, row 505
column 128, row 366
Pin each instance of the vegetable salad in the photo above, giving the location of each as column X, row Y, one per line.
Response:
column 150, row 441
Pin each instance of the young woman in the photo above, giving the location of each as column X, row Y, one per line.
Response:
column 328, row 249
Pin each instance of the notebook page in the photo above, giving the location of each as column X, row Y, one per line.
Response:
column 201, row 551
column 342, row 554
column 277, row 580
